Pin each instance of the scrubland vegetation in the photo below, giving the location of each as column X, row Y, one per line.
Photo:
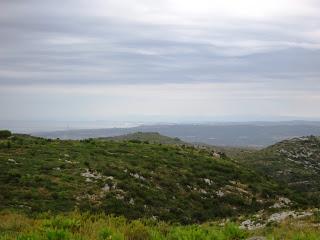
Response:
column 156, row 188
column 99, row 227
column 136, row 179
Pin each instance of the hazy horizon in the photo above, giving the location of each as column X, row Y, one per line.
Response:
column 35, row 126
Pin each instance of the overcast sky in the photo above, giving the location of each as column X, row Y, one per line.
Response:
column 168, row 60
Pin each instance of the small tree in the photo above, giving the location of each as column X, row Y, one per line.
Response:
column 5, row 134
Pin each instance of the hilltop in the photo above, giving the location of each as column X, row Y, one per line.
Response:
column 150, row 137
column 132, row 178
column 294, row 162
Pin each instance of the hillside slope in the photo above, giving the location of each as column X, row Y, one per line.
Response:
column 168, row 182
column 294, row 162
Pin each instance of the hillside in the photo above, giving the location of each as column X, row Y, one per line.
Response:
column 294, row 162
column 151, row 137
column 134, row 179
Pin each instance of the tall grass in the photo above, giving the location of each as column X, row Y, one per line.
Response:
column 84, row 226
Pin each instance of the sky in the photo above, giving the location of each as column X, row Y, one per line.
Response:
column 169, row 61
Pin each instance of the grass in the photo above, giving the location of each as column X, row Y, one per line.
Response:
column 86, row 226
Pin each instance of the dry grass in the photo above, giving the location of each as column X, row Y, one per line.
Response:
column 87, row 226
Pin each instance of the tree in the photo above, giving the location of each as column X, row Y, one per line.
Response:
column 5, row 134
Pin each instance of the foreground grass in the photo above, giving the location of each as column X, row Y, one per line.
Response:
column 88, row 227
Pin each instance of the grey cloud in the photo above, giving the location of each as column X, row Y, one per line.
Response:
column 47, row 43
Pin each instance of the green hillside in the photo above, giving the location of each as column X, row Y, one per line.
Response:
column 135, row 179
column 294, row 162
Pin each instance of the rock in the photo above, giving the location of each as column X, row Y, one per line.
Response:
column 257, row 238
column 106, row 188
column 251, row 225
column 10, row 160
column 216, row 155
column 278, row 217
column 91, row 175
column 220, row 193
column 137, row 176
column 208, row 181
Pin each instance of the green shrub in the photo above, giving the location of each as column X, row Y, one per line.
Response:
column 56, row 234
column 137, row 231
column 105, row 233
column 306, row 236
column 31, row 236
column 188, row 233
column 233, row 232
column 5, row 133
column 62, row 223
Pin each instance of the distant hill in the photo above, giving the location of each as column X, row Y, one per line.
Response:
column 136, row 179
column 150, row 137
column 254, row 135
column 294, row 162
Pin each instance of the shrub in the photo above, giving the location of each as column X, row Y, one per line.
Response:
column 134, row 141
column 5, row 133
column 31, row 236
column 63, row 223
column 105, row 233
column 137, row 231
column 306, row 236
column 188, row 233
column 233, row 232
column 57, row 234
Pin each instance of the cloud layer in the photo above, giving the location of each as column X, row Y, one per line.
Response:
column 269, row 50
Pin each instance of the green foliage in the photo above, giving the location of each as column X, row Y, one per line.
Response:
column 31, row 236
column 177, row 183
column 137, row 231
column 232, row 231
column 105, row 234
column 103, row 227
column 306, row 236
column 62, row 223
column 294, row 164
column 5, row 134
column 56, row 234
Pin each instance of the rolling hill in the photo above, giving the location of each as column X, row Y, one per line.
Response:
column 178, row 183
column 150, row 137
column 294, row 162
